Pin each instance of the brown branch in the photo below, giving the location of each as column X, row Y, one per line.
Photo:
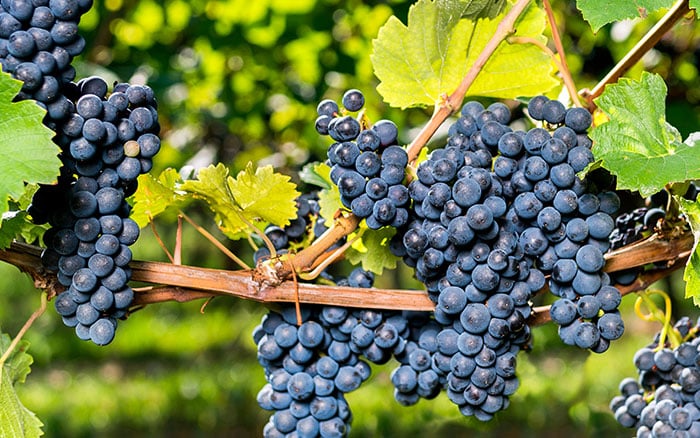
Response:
column 679, row 9
column 186, row 283
column 655, row 248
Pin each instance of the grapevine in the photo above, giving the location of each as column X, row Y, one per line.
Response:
column 538, row 204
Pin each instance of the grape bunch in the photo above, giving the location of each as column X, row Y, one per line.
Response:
column 38, row 40
column 366, row 164
column 105, row 144
column 665, row 399
column 311, row 366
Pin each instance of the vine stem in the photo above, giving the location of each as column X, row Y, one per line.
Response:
column 37, row 313
column 186, row 283
column 564, row 67
column 679, row 9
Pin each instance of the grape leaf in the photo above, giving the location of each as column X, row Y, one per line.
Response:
column 254, row 195
column 372, row 250
column 317, row 174
column 692, row 269
column 27, row 151
column 637, row 144
column 17, row 223
column 598, row 13
column 264, row 194
column 475, row 9
column 156, row 196
column 694, row 4
column 418, row 63
column 15, row 419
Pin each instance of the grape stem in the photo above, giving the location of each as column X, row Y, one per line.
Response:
column 220, row 246
column 678, row 11
column 658, row 315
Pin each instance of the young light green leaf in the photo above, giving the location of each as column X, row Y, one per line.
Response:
column 254, row 195
column 598, row 13
column 691, row 275
column 694, row 4
column 420, row 62
column 155, row 196
column 317, row 174
column 15, row 419
column 372, row 250
column 265, row 195
column 27, row 151
column 329, row 202
column 637, row 144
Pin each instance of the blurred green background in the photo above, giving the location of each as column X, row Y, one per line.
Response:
column 238, row 81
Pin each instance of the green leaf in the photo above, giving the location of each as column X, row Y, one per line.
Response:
column 598, row 13
column 691, row 275
column 419, row 63
column 637, row 144
column 265, row 195
column 27, row 151
column 372, row 250
column 253, row 196
column 15, row 419
column 317, row 174
column 17, row 224
column 155, row 196
column 694, row 4
column 482, row 8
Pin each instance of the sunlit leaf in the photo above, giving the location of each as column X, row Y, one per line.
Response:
column 428, row 58
column 157, row 195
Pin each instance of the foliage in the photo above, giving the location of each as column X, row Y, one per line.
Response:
column 28, row 153
column 637, row 144
column 16, row 419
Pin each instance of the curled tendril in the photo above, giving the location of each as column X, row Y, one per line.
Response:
column 655, row 314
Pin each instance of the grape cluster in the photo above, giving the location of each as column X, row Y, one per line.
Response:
column 367, row 165
column 38, row 40
column 105, row 144
column 665, row 399
column 311, row 366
